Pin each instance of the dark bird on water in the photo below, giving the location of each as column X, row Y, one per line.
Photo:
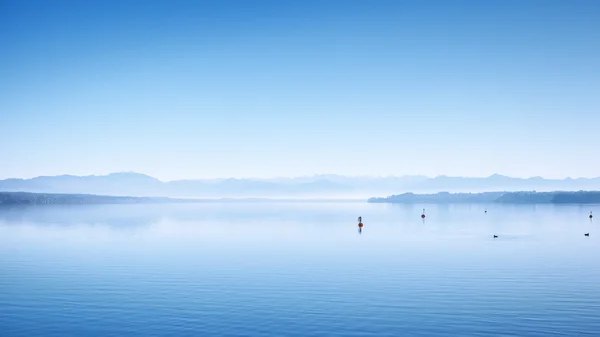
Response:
column 495, row 236
column 587, row 234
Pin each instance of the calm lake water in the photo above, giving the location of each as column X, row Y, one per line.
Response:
column 299, row 269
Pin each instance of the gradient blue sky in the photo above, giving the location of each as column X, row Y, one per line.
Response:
column 202, row 89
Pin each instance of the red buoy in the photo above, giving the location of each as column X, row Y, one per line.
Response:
column 423, row 215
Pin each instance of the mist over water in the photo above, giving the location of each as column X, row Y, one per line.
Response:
column 299, row 269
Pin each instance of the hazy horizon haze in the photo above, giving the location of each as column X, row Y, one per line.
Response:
column 313, row 187
column 315, row 175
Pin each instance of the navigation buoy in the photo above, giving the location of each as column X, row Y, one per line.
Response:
column 360, row 224
column 423, row 215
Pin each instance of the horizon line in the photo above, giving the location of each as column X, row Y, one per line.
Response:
column 298, row 176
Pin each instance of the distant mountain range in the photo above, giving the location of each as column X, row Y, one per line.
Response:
column 318, row 186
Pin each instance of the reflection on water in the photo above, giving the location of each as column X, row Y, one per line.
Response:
column 298, row 270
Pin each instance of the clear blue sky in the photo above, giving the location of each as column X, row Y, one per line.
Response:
column 201, row 89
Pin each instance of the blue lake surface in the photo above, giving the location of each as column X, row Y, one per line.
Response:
column 299, row 269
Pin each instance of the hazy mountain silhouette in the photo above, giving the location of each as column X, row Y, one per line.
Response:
column 498, row 182
column 135, row 184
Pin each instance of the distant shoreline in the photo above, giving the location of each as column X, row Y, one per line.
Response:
column 556, row 197
column 29, row 198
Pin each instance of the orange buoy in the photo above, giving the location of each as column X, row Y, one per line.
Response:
column 360, row 224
